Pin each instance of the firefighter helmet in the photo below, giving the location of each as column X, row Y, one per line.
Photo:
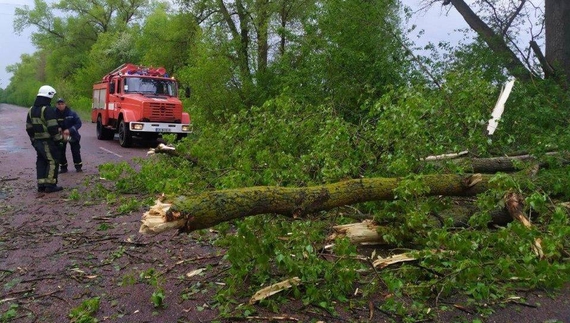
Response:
column 46, row 91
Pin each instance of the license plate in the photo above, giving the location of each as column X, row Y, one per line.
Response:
column 162, row 130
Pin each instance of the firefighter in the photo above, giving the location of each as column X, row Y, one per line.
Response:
column 44, row 133
column 69, row 122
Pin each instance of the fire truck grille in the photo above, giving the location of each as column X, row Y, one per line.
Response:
column 162, row 112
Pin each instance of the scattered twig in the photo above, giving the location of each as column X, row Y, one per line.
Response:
column 462, row 308
column 37, row 279
column 274, row 289
column 9, row 179
column 181, row 262
column 20, row 292
column 264, row 318
column 171, row 151
column 392, row 315
column 32, row 295
column 516, row 301
column 8, row 299
column 395, row 259
column 273, row 318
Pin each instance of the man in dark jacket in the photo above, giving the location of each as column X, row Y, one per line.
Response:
column 43, row 130
column 69, row 122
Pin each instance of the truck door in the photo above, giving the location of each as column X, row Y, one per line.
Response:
column 114, row 101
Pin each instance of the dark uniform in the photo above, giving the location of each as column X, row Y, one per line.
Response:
column 69, row 120
column 43, row 130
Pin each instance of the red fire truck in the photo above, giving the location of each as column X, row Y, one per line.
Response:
column 138, row 101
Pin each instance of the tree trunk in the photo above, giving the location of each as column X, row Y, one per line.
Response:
column 241, row 38
column 493, row 165
column 262, row 24
column 503, row 164
column 557, row 13
column 189, row 213
column 493, row 40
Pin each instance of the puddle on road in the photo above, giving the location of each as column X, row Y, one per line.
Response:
column 9, row 144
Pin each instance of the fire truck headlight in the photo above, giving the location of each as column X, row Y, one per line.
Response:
column 137, row 126
column 186, row 127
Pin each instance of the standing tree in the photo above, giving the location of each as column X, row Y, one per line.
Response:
column 340, row 52
column 66, row 39
column 558, row 37
column 166, row 39
column 499, row 23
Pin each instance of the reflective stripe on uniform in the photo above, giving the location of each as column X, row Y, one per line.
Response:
column 40, row 121
column 47, row 175
column 53, row 165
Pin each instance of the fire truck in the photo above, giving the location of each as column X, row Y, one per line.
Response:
column 137, row 101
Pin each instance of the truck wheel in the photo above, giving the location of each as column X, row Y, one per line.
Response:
column 125, row 137
column 102, row 132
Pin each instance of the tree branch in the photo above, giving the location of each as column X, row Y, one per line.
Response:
column 495, row 42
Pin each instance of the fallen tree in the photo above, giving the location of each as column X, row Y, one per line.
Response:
column 493, row 165
column 461, row 160
column 200, row 211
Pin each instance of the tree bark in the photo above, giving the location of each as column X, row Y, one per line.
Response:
column 498, row 164
column 546, row 67
column 558, row 36
column 514, row 204
column 262, row 24
column 189, row 213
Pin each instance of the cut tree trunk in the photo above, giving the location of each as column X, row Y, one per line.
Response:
column 514, row 203
column 200, row 211
column 369, row 232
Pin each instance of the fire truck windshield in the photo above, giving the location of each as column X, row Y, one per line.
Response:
column 151, row 86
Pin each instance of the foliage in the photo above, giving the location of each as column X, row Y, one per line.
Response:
column 154, row 279
column 10, row 314
column 25, row 82
column 270, row 250
column 207, row 76
column 349, row 53
column 290, row 144
column 84, row 313
column 166, row 39
column 70, row 45
column 109, row 51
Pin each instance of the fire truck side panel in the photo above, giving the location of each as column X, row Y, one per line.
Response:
column 99, row 106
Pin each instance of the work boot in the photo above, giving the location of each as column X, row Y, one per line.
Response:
column 41, row 188
column 53, row 188
column 78, row 169
column 63, row 170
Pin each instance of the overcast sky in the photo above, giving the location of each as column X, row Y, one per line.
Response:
column 437, row 24
column 11, row 45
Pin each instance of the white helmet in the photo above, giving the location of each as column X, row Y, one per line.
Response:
column 46, row 91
